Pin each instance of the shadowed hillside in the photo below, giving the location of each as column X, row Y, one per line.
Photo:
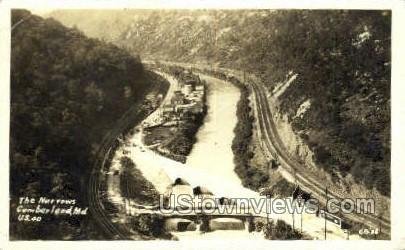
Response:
column 67, row 91
column 341, row 60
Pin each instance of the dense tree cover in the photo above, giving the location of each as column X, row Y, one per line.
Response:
column 343, row 63
column 66, row 93
column 184, row 138
column 281, row 188
column 280, row 231
column 134, row 186
column 342, row 58
column 150, row 225
column 253, row 178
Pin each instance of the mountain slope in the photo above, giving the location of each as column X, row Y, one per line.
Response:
column 340, row 60
column 67, row 91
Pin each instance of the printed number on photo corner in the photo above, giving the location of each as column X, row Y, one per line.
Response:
column 366, row 231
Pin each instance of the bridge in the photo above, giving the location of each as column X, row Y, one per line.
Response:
column 200, row 219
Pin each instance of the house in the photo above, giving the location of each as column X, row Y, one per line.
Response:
column 199, row 87
column 187, row 89
column 203, row 193
column 173, row 191
column 167, row 109
column 226, row 224
column 178, row 98
column 184, row 108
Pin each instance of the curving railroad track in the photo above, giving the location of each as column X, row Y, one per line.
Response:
column 276, row 147
column 96, row 206
column 98, row 211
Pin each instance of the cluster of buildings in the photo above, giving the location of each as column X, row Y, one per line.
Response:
column 187, row 100
column 181, row 189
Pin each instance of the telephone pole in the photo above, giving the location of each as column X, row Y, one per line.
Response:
column 293, row 225
column 326, row 208
column 301, row 219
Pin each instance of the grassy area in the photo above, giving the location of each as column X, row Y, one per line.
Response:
column 134, row 186
column 176, row 142
column 185, row 137
column 281, row 231
column 158, row 134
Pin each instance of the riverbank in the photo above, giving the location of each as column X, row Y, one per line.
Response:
column 120, row 180
column 181, row 116
column 253, row 177
column 213, row 152
column 214, row 175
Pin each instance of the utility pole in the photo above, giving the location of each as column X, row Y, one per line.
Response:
column 301, row 219
column 267, row 212
column 326, row 208
column 293, row 220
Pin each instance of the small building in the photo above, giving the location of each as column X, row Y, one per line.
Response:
column 150, row 96
column 167, row 109
column 178, row 98
column 199, row 87
column 205, row 196
column 173, row 191
column 183, row 108
column 187, row 89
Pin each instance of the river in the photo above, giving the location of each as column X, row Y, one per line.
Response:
column 212, row 153
column 210, row 164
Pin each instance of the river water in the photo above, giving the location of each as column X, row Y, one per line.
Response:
column 210, row 164
column 212, row 153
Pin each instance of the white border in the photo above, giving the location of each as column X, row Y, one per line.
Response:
column 398, row 119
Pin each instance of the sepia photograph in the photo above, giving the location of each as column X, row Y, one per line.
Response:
column 166, row 124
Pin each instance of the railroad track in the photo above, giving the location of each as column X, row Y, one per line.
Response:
column 275, row 146
column 95, row 202
column 131, row 117
column 96, row 207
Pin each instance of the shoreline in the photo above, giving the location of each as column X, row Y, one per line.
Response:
column 178, row 122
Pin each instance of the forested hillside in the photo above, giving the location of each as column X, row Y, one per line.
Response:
column 66, row 93
column 341, row 59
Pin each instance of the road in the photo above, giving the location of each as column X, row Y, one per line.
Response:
column 162, row 172
column 155, row 166
column 275, row 146
column 154, row 118
column 97, row 209
column 291, row 168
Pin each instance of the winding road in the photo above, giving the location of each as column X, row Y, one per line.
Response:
column 272, row 144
